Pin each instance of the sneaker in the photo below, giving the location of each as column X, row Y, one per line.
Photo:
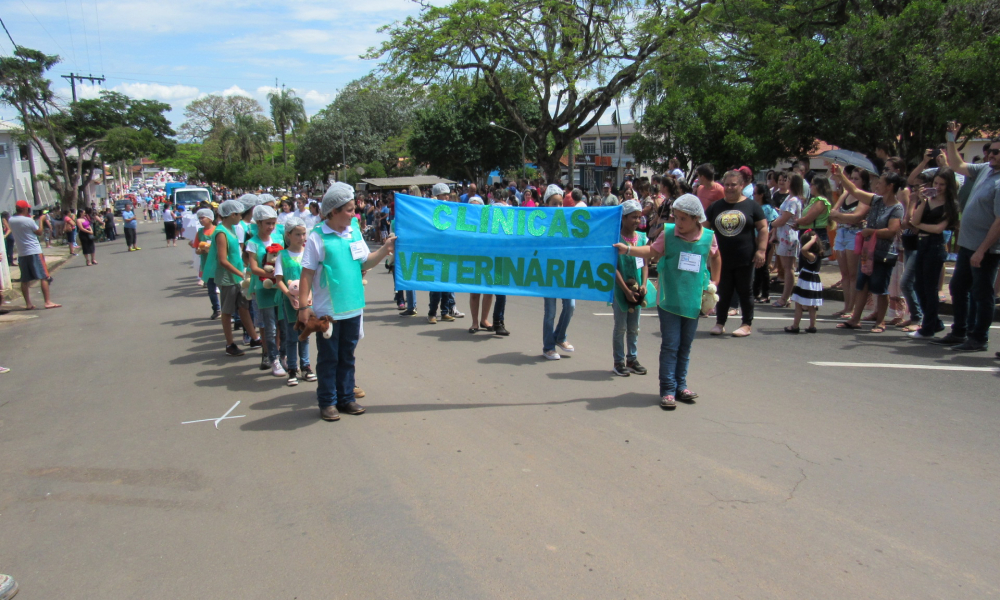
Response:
column 432, row 320
column 293, row 379
column 284, row 362
column 919, row 336
column 138, row 248
column 408, row 313
column 635, row 367
column 457, row 314
column 234, row 350
column 4, row 370
column 265, row 363
column 447, row 318
column 620, row 370
column 255, row 343
column 566, row 347
column 401, row 306
column 668, row 402
column 215, row 315
column 307, row 373
column 949, row 340
column 551, row 355
column 277, row 370
column 358, row 392
column 8, row 587
column 971, row 346
column 246, row 339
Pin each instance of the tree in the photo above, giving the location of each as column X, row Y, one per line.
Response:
column 287, row 112
column 453, row 136
column 579, row 55
column 214, row 113
column 247, row 139
column 367, row 122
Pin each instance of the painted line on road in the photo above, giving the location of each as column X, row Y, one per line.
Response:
column 760, row 318
column 225, row 416
column 899, row 366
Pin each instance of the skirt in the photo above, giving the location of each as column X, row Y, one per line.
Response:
column 808, row 290
column 86, row 243
column 170, row 228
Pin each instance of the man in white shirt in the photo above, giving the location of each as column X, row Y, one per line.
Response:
column 29, row 251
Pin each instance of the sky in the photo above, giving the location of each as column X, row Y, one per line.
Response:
column 178, row 50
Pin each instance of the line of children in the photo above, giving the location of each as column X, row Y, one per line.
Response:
column 225, row 265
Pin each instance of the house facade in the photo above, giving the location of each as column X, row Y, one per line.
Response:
column 15, row 171
column 604, row 157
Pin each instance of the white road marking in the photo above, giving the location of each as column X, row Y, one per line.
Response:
column 225, row 416
column 899, row 366
column 788, row 318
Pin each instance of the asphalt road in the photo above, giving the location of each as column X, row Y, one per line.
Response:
column 481, row 470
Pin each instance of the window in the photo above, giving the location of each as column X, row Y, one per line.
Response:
column 589, row 148
column 3, row 150
column 22, row 152
column 607, row 147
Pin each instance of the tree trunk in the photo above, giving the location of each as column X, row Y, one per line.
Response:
column 284, row 153
column 34, row 175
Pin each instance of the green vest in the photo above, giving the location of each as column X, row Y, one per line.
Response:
column 680, row 291
column 201, row 237
column 340, row 274
column 627, row 267
column 232, row 253
column 291, row 270
column 821, row 221
column 266, row 298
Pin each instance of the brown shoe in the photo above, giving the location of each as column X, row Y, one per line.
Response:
column 358, row 392
column 329, row 413
column 352, row 408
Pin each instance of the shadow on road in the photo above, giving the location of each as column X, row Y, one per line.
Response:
column 592, row 375
column 453, row 334
column 516, row 359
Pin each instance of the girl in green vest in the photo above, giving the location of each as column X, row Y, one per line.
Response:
column 626, row 329
column 287, row 274
column 266, row 298
column 201, row 243
column 686, row 252
column 225, row 265
column 334, row 257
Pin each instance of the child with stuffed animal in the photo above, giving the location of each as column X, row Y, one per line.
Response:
column 260, row 259
column 201, row 242
column 630, row 295
column 225, row 265
column 335, row 255
column 287, row 275
column 686, row 253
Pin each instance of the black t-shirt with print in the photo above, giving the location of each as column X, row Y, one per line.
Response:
column 735, row 230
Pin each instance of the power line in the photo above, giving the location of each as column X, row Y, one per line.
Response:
column 86, row 41
column 8, row 34
column 100, row 48
column 61, row 51
column 69, row 28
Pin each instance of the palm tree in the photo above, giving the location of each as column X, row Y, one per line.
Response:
column 248, row 138
column 287, row 112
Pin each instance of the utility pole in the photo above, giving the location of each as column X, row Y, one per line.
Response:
column 73, row 77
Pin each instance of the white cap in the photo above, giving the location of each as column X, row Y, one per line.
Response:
column 231, row 207
column 690, row 204
column 552, row 190
column 440, row 189
column 263, row 213
column 630, row 206
column 248, row 201
column 205, row 213
column 338, row 195
column 293, row 222
column 265, row 198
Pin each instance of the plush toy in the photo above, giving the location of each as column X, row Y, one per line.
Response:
column 293, row 293
column 268, row 266
column 204, row 246
column 245, row 284
column 709, row 298
column 633, row 285
column 322, row 325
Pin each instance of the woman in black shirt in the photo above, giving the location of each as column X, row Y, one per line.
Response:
column 936, row 213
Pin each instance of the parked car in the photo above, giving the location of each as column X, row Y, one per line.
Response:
column 119, row 206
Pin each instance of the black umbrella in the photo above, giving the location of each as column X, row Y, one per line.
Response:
column 848, row 157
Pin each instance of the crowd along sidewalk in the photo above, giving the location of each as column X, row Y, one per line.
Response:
column 55, row 257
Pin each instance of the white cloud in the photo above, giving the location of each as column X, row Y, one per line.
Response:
column 264, row 90
column 314, row 97
column 157, row 91
column 236, row 90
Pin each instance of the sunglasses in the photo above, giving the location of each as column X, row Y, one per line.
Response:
column 993, row 151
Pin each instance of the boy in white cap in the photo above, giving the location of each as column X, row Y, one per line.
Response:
column 204, row 235
column 446, row 300
column 332, row 262
column 225, row 265
column 553, row 334
column 686, row 252
column 626, row 331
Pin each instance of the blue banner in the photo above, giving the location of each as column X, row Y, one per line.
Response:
column 546, row 252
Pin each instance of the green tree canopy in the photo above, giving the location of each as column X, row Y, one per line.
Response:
column 287, row 112
column 214, row 113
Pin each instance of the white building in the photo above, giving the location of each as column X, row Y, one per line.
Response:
column 604, row 157
column 15, row 171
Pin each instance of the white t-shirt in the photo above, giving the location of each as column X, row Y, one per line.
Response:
column 168, row 215
column 241, row 233
column 315, row 252
column 24, row 228
column 277, row 264
column 283, row 216
column 251, row 246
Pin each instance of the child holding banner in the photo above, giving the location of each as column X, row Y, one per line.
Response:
column 337, row 252
column 554, row 335
column 630, row 277
column 686, row 252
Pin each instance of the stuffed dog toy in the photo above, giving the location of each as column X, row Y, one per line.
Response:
column 709, row 298
column 633, row 285
column 321, row 325
column 268, row 266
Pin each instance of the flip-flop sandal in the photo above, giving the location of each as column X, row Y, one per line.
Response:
column 791, row 329
column 846, row 325
column 878, row 329
column 910, row 328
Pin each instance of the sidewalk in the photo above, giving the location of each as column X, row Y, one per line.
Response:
column 55, row 257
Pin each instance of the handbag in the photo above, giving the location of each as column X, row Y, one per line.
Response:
column 867, row 254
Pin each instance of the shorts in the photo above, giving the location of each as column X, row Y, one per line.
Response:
column 170, row 229
column 33, row 268
column 231, row 299
column 845, row 240
column 878, row 281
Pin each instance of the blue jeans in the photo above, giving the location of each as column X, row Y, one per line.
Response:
column 268, row 322
column 676, row 337
column 213, row 293
column 440, row 299
column 626, row 331
column 907, row 286
column 930, row 261
column 499, row 308
column 335, row 363
column 550, row 336
column 296, row 351
column 972, row 294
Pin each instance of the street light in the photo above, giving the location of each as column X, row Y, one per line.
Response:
column 523, row 138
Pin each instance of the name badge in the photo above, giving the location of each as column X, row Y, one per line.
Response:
column 639, row 263
column 358, row 250
column 689, row 262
